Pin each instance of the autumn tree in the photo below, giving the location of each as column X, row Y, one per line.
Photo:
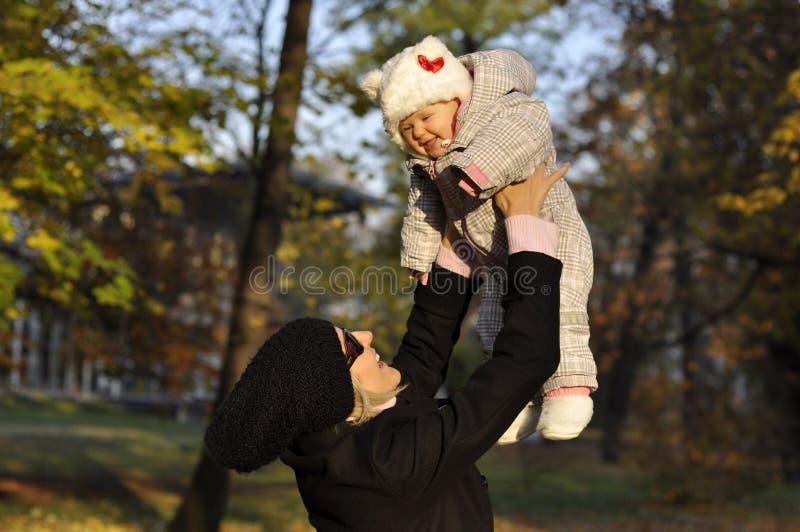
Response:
column 678, row 124
column 205, row 500
column 765, row 212
column 86, row 124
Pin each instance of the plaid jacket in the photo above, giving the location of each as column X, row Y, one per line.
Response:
column 502, row 136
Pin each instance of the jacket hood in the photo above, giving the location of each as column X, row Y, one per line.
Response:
column 496, row 73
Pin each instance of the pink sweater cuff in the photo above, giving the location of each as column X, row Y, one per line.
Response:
column 449, row 260
column 531, row 233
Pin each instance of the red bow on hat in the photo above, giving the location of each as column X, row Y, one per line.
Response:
column 431, row 66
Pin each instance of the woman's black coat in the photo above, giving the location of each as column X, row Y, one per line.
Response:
column 413, row 466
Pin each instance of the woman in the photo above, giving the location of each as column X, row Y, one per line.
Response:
column 370, row 447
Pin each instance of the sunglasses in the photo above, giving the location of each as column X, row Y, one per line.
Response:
column 352, row 347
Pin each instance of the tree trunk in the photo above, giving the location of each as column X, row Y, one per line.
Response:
column 33, row 362
column 782, row 377
column 15, row 379
column 70, row 370
column 633, row 345
column 205, row 501
column 692, row 407
column 618, row 390
column 54, row 354
column 619, row 383
column 86, row 377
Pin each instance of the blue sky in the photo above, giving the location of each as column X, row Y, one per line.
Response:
column 343, row 132
column 580, row 40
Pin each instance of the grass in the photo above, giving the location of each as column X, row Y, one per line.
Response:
column 71, row 465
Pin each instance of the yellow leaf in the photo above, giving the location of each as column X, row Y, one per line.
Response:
column 256, row 322
column 793, row 186
column 324, row 205
column 42, row 240
column 7, row 230
column 155, row 307
column 7, row 200
column 166, row 247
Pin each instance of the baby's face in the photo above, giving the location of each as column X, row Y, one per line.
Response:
column 426, row 129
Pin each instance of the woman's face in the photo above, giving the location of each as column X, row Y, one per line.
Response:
column 375, row 376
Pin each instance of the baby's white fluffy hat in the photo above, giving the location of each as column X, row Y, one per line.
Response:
column 420, row 75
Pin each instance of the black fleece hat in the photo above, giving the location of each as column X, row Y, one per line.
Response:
column 298, row 382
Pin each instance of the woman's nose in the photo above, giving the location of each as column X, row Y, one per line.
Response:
column 365, row 337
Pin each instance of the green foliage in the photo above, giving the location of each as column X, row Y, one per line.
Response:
column 774, row 186
column 10, row 275
column 117, row 293
column 465, row 26
column 79, row 113
column 336, row 268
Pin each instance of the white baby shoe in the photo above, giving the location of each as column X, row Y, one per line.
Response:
column 563, row 417
column 523, row 426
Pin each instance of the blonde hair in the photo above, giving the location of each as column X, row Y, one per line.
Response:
column 367, row 402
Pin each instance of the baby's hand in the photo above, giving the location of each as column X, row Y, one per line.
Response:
column 422, row 277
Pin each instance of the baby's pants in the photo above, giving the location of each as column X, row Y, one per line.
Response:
column 577, row 366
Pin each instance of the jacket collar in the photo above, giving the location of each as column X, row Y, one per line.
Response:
column 319, row 442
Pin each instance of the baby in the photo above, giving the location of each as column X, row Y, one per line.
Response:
column 470, row 128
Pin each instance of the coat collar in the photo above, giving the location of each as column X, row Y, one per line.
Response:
column 319, row 442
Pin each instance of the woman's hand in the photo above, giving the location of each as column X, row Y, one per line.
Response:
column 527, row 197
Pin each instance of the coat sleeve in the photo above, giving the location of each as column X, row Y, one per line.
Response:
column 439, row 446
column 509, row 147
column 423, row 224
column 433, row 328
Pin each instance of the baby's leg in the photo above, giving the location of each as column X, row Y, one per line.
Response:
column 490, row 321
column 577, row 367
column 564, row 412
column 567, row 407
column 490, row 314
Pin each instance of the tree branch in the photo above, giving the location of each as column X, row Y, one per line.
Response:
column 261, row 70
column 715, row 315
column 765, row 259
column 368, row 6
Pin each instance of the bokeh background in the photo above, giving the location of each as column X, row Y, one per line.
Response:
column 179, row 178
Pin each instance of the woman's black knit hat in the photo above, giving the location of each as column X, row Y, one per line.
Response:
column 298, row 382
